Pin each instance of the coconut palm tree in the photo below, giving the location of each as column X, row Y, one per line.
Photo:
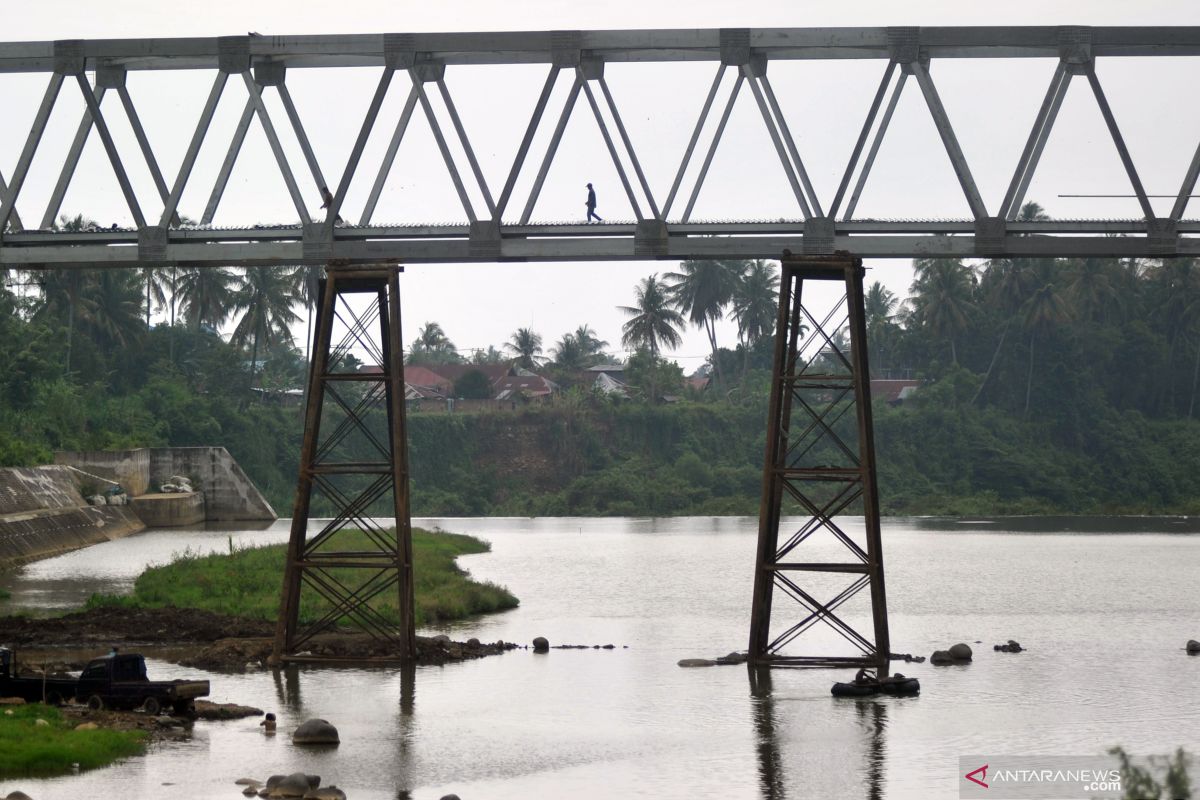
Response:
column 756, row 300
column 432, row 346
column 1045, row 309
column 701, row 290
column 591, row 346
column 310, row 290
column 652, row 319
column 527, row 346
column 154, row 281
column 879, row 306
column 942, row 298
column 206, row 296
column 568, row 353
column 64, row 288
column 113, row 311
column 264, row 300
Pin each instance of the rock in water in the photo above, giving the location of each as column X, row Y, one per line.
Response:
column 294, row 785
column 330, row 792
column 960, row 652
column 697, row 662
column 541, row 644
column 315, row 731
column 449, row 797
column 941, row 657
column 1193, row 646
column 18, row 795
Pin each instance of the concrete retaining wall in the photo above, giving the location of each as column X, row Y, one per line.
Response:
column 130, row 468
column 228, row 493
column 42, row 514
column 170, row 510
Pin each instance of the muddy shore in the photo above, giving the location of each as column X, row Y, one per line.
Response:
column 208, row 641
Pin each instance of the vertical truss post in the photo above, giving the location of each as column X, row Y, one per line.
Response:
column 354, row 572
column 821, row 456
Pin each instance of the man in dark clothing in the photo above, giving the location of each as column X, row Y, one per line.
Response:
column 327, row 201
column 591, row 205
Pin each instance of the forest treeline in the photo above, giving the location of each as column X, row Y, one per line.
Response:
column 1046, row 386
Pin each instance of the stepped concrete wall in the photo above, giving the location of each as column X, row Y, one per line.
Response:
column 42, row 514
column 228, row 493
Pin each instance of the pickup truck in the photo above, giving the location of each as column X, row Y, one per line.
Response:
column 118, row 680
column 32, row 688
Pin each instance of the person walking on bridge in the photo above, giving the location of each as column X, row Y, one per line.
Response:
column 591, row 205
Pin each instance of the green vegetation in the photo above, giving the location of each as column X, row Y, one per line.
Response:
column 245, row 583
column 1140, row 782
column 1046, row 386
column 28, row 749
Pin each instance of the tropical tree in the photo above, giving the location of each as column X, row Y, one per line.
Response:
column 63, row 288
column 310, row 290
column 1045, row 309
column 264, row 302
column 880, row 305
column 591, row 346
column 113, row 311
column 701, row 290
column 489, row 356
column 756, row 301
column 527, row 346
column 567, row 353
column 653, row 322
column 432, row 346
column 154, row 280
column 942, row 298
column 206, row 296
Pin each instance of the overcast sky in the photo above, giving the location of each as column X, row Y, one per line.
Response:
column 990, row 103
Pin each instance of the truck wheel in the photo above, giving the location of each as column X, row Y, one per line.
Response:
column 54, row 699
column 152, row 706
column 95, row 703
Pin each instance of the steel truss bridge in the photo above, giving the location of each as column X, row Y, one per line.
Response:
column 501, row 228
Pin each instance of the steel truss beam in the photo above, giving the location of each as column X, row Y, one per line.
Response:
column 501, row 226
column 820, row 457
column 354, row 571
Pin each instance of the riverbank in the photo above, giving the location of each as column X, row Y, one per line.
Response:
column 40, row 740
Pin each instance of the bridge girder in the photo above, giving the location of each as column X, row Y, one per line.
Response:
column 495, row 230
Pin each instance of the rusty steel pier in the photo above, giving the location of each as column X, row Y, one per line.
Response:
column 354, row 462
column 820, row 462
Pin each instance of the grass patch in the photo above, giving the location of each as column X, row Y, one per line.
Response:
column 28, row 749
column 5, row 595
column 246, row 582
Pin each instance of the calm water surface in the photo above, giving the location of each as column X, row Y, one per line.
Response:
column 1104, row 607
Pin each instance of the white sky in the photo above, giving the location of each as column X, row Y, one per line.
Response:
column 991, row 105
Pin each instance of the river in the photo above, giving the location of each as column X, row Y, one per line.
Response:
column 1104, row 607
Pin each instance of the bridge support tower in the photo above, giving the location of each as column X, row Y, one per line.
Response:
column 356, row 571
column 820, row 466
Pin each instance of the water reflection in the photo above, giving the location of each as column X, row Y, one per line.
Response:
column 287, row 685
column 872, row 716
column 770, row 761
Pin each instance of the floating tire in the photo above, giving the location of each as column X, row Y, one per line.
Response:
column 152, row 706
column 95, row 703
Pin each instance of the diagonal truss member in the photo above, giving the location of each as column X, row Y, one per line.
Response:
column 820, row 461
column 356, row 571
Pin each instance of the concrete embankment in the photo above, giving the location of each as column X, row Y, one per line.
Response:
column 228, row 494
column 42, row 514
column 44, row 511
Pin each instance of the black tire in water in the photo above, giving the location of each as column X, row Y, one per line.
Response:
column 95, row 703
column 152, row 706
